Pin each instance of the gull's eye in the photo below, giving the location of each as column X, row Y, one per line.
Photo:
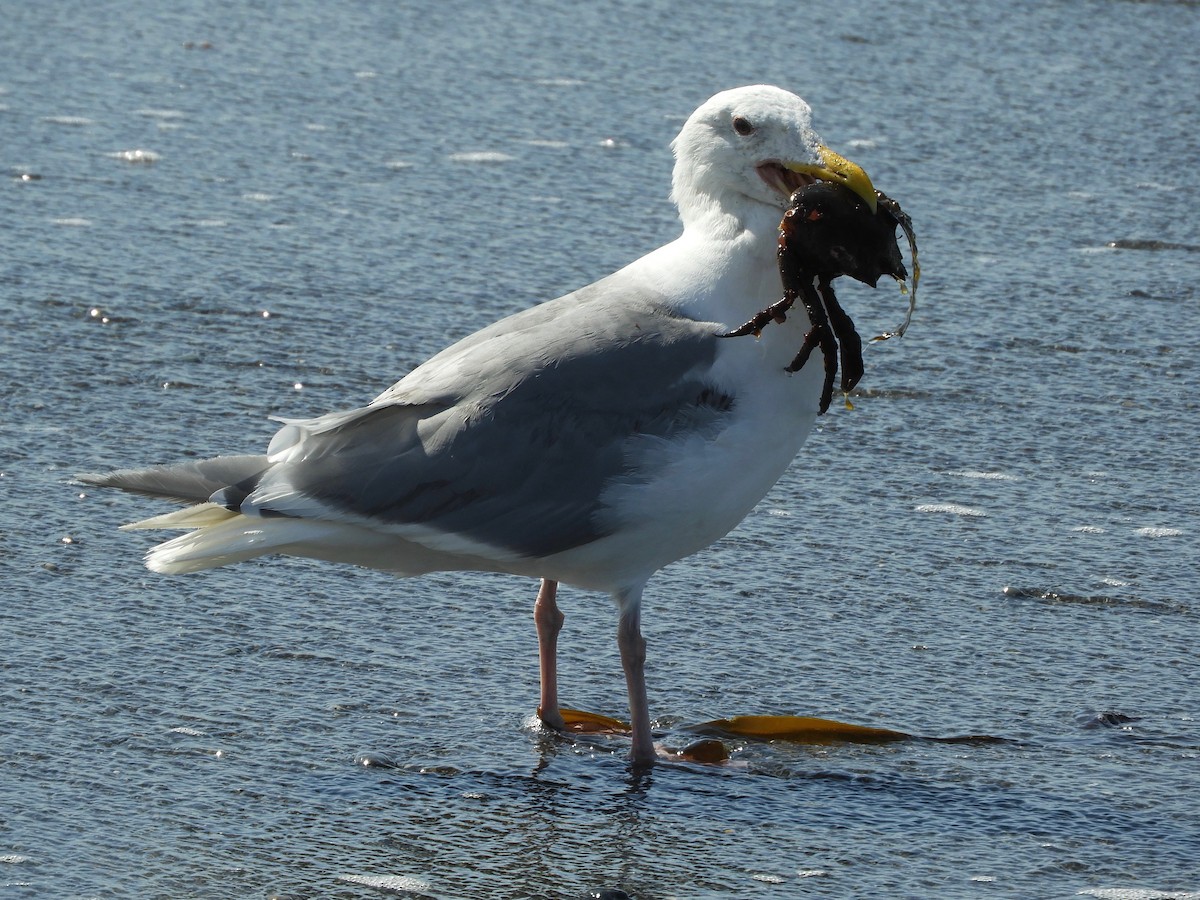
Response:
column 742, row 126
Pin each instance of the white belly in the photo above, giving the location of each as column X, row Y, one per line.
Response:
column 703, row 487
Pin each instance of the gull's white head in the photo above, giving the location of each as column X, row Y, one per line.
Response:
column 742, row 153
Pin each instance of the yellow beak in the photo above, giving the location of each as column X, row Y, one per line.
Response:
column 839, row 169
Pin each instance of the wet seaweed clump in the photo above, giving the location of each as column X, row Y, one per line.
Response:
column 829, row 231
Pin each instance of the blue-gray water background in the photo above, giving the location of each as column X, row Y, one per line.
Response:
column 215, row 212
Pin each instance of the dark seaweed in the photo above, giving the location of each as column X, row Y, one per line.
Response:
column 829, row 231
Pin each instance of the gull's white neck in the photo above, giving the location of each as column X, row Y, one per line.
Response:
column 723, row 268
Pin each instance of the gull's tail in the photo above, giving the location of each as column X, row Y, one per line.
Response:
column 220, row 535
column 194, row 481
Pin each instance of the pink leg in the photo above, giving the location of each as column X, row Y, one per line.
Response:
column 549, row 620
column 633, row 660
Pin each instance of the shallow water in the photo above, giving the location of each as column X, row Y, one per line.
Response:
column 222, row 212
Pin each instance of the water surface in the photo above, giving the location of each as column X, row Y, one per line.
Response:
column 220, row 212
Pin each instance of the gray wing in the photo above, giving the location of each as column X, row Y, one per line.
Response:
column 510, row 437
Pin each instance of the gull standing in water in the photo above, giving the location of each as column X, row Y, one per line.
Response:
column 590, row 440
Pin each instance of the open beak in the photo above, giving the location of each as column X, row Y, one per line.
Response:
column 838, row 169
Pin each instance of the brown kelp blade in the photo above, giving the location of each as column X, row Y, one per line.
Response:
column 580, row 722
column 812, row 730
column 801, row 730
column 796, row 729
column 709, row 747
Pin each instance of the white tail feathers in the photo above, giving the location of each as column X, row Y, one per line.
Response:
column 231, row 539
column 220, row 537
column 199, row 516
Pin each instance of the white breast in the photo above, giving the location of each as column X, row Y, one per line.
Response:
column 699, row 486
